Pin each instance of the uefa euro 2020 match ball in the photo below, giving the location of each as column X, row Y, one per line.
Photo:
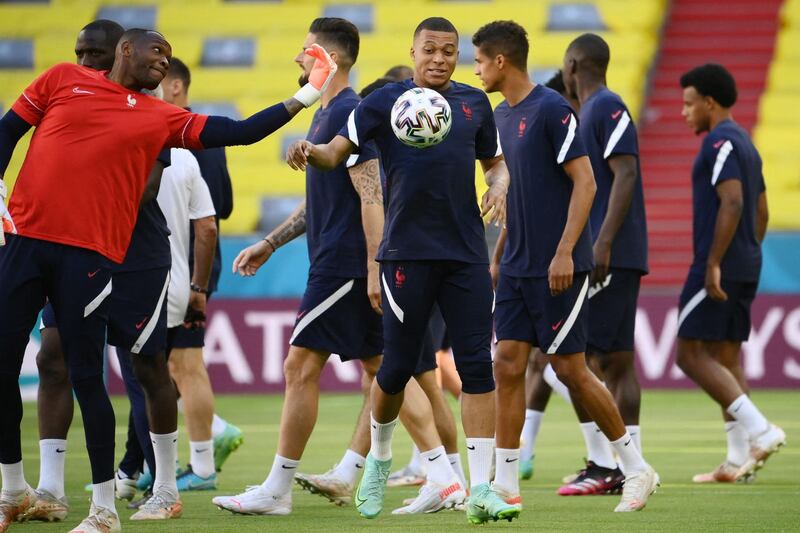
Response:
column 421, row 117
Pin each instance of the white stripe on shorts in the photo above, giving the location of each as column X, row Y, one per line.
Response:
column 597, row 287
column 395, row 308
column 94, row 304
column 153, row 322
column 693, row 302
column 573, row 316
column 321, row 308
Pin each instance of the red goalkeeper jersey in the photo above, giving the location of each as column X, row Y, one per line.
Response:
column 87, row 165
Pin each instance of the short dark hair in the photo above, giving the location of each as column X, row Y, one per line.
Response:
column 178, row 69
column 398, row 72
column 594, row 52
column 112, row 30
column 374, row 86
column 338, row 32
column 712, row 80
column 557, row 83
column 504, row 37
column 436, row 24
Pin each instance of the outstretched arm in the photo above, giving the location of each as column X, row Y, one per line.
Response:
column 562, row 267
column 321, row 156
column 221, row 131
column 366, row 178
column 251, row 258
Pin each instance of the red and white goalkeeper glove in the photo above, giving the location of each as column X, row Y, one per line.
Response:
column 5, row 216
column 321, row 75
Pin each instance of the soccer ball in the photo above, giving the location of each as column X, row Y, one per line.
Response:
column 421, row 117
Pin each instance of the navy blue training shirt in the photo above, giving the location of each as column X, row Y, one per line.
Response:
column 606, row 130
column 431, row 207
column 149, row 246
column 727, row 153
column 538, row 136
column 334, row 232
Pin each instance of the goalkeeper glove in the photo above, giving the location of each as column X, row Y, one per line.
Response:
column 321, row 75
column 5, row 216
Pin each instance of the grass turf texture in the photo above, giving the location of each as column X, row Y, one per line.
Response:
column 682, row 432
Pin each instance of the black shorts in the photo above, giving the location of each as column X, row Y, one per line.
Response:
column 75, row 280
column 137, row 321
column 702, row 318
column 612, row 311
column 335, row 316
column 526, row 311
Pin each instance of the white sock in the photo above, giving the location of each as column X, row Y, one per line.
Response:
column 597, row 448
column 415, row 464
column 507, row 474
column 52, row 456
column 218, row 425
column 530, row 432
column 202, row 457
column 439, row 470
column 180, row 405
column 747, row 414
column 636, row 435
column 381, row 439
column 279, row 480
column 455, row 463
column 738, row 443
column 350, row 466
column 103, row 494
column 630, row 458
column 165, row 449
column 13, row 477
column 480, row 453
column 550, row 377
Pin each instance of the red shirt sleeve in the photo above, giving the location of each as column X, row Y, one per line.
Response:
column 32, row 104
column 184, row 128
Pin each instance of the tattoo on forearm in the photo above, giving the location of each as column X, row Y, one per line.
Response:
column 293, row 106
column 294, row 226
column 366, row 178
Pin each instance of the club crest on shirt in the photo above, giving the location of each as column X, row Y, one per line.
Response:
column 467, row 110
column 131, row 101
column 522, row 127
column 399, row 278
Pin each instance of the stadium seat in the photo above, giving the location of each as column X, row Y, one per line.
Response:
column 228, row 52
column 362, row 15
column 16, row 53
column 130, row 16
column 571, row 17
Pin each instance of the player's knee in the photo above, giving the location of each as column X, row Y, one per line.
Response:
column 51, row 365
column 393, row 379
column 507, row 366
column 476, row 376
column 301, row 368
column 570, row 374
column 151, row 370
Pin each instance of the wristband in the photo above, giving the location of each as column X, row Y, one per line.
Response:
column 308, row 95
column 197, row 288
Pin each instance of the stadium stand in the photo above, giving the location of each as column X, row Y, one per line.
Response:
column 631, row 29
column 742, row 37
column 779, row 123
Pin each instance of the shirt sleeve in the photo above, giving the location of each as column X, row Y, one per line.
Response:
column 200, row 203
column 35, row 99
column 562, row 130
column 184, row 127
column 617, row 130
column 721, row 156
column 487, row 139
column 365, row 119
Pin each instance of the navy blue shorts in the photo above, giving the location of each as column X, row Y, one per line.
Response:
column 75, row 280
column 137, row 297
column 526, row 311
column 702, row 318
column 612, row 311
column 335, row 316
column 439, row 330
column 464, row 294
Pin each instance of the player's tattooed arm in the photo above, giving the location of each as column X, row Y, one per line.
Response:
column 366, row 178
column 498, row 180
column 293, row 106
column 251, row 258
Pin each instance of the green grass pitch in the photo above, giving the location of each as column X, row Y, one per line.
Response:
column 682, row 433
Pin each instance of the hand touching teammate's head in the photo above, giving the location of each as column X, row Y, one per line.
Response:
column 338, row 36
column 97, row 44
